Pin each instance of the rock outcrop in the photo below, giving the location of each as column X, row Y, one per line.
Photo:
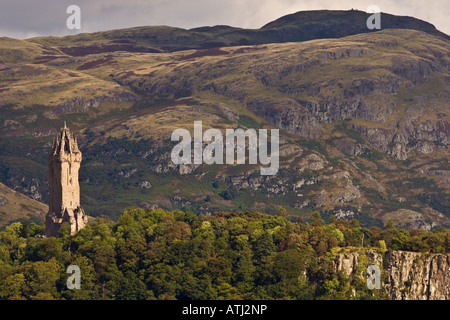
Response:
column 416, row 276
column 404, row 275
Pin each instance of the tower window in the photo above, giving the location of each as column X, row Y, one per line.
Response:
column 67, row 145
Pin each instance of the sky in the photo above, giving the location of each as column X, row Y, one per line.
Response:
column 30, row 18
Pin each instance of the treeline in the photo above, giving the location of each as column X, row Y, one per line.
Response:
column 156, row 254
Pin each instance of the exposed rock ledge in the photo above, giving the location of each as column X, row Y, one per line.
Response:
column 404, row 275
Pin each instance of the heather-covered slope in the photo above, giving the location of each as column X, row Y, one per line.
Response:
column 364, row 120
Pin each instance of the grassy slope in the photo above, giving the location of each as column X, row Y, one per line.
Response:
column 16, row 206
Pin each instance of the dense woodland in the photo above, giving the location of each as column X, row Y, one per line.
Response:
column 156, row 254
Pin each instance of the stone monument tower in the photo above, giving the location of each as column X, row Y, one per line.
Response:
column 64, row 201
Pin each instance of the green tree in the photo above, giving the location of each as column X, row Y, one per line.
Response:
column 287, row 267
column 381, row 246
column 38, row 249
column 41, row 279
column 131, row 288
column 87, row 277
column 263, row 246
column 316, row 219
column 13, row 287
column 219, row 269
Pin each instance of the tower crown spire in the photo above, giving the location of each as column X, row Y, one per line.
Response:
column 65, row 144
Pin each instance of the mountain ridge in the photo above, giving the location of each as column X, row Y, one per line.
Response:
column 364, row 123
column 300, row 26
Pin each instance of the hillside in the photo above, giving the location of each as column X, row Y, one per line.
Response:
column 16, row 206
column 364, row 117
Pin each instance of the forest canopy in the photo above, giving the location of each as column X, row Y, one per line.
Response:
column 158, row 254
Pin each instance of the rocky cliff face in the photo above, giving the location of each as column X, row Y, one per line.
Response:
column 404, row 275
column 415, row 276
